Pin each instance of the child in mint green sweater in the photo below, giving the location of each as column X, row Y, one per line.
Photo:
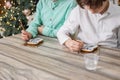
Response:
column 50, row 16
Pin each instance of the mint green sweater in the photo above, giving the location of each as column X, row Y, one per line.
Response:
column 51, row 15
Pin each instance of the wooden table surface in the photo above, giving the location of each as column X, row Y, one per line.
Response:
column 51, row 61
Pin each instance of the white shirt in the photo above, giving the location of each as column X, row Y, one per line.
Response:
column 95, row 29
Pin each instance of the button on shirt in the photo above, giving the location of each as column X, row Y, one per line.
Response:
column 51, row 14
column 94, row 29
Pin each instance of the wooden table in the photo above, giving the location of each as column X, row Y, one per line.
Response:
column 50, row 61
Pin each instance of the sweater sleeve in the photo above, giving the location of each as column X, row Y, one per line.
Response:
column 33, row 27
column 73, row 5
column 49, row 32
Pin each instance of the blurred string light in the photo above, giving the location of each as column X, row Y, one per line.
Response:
column 13, row 12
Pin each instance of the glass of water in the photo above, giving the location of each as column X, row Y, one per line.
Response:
column 91, row 61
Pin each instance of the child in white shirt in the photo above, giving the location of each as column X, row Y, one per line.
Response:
column 97, row 22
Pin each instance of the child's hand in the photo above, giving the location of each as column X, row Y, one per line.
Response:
column 40, row 29
column 74, row 45
column 26, row 35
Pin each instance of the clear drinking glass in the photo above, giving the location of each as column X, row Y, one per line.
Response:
column 91, row 61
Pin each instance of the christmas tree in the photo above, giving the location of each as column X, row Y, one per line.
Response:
column 14, row 14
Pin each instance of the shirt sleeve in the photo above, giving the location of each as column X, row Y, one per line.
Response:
column 33, row 27
column 69, row 28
